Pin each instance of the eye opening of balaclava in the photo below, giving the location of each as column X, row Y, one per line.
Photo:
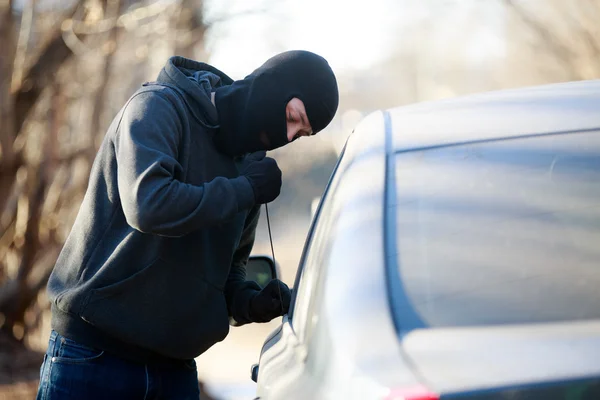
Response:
column 257, row 103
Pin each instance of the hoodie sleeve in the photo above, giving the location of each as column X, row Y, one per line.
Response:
column 153, row 201
column 238, row 291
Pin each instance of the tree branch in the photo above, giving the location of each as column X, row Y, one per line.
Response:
column 559, row 50
column 42, row 72
column 22, row 44
column 8, row 45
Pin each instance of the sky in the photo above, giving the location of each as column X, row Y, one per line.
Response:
column 352, row 35
column 349, row 34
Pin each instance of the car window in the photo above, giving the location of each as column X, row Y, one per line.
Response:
column 311, row 268
column 504, row 232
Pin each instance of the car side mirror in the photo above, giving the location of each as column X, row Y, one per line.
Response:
column 261, row 269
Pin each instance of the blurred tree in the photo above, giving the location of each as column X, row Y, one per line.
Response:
column 27, row 71
column 61, row 82
column 564, row 37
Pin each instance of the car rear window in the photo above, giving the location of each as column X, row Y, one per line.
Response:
column 502, row 232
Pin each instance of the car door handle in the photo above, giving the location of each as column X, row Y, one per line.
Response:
column 254, row 372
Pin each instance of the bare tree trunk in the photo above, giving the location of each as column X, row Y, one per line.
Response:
column 8, row 46
column 7, row 126
column 41, row 74
column 109, row 47
column 17, row 102
column 578, row 51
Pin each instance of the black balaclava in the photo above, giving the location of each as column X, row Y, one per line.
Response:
column 257, row 103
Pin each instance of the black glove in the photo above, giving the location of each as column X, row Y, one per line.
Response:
column 264, row 176
column 267, row 304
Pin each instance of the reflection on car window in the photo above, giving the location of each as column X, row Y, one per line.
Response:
column 502, row 232
column 304, row 316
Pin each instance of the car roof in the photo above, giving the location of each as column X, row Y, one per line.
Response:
column 504, row 114
column 548, row 109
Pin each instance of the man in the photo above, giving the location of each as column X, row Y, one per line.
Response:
column 154, row 266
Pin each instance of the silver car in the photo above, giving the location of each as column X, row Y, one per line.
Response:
column 455, row 254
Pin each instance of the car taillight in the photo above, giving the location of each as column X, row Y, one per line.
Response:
column 412, row 393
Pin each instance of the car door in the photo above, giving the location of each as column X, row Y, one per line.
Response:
column 282, row 370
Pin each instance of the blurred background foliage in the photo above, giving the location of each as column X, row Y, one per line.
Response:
column 67, row 67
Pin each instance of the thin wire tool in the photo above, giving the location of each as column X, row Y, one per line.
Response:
column 273, row 253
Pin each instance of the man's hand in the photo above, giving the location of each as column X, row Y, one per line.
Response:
column 267, row 304
column 264, row 176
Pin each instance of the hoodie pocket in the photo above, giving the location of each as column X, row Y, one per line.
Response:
column 165, row 308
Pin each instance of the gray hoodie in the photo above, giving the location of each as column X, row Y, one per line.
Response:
column 155, row 262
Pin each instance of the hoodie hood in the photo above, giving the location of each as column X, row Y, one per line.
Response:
column 256, row 105
column 197, row 80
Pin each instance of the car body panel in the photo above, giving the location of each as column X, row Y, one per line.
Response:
column 478, row 358
column 565, row 107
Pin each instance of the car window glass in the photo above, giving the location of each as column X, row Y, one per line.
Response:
column 311, row 265
column 502, row 232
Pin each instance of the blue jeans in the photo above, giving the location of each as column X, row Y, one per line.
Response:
column 73, row 371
